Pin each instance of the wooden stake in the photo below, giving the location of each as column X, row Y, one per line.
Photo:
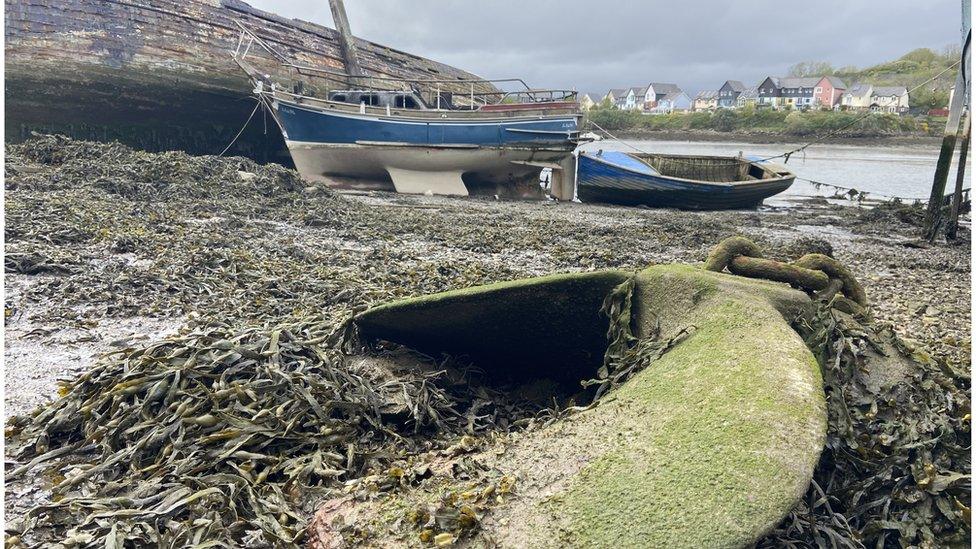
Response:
column 933, row 216
column 953, row 224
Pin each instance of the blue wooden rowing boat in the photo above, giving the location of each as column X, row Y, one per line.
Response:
column 678, row 181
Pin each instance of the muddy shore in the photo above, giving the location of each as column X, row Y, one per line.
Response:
column 102, row 256
column 923, row 292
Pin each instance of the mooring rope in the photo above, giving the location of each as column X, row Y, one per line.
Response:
column 615, row 138
column 859, row 195
column 248, row 121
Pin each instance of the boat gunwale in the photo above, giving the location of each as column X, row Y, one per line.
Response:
column 308, row 145
column 744, row 183
column 435, row 115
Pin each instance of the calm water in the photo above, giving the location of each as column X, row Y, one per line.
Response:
column 904, row 170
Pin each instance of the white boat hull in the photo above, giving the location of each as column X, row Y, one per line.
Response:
column 453, row 170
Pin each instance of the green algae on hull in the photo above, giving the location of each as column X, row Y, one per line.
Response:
column 709, row 447
column 718, row 440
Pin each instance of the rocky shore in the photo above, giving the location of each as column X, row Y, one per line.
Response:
column 107, row 248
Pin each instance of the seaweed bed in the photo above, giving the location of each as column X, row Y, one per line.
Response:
column 216, row 432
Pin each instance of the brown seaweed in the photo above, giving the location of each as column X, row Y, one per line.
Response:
column 107, row 232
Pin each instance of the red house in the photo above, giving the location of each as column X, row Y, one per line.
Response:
column 828, row 91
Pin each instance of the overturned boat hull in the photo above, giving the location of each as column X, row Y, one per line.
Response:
column 675, row 181
column 710, row 446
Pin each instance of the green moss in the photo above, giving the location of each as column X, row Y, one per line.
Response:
column 709, row 447
column 715, row 442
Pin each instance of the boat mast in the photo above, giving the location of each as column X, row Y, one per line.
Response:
column 346, row 40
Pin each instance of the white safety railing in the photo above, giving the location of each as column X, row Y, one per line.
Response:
column 434, row 88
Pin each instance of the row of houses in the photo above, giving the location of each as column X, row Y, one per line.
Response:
column 653, row 98
column 824, row 92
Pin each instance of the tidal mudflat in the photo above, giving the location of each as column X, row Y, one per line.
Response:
column 110, row 249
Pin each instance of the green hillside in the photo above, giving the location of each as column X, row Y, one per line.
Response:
column 909, row 70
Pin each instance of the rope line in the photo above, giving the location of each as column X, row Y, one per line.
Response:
column 236, row 137
column 615, row 138
column 860, row 193
column 642, row 151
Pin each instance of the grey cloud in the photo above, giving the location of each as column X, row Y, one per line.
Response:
column 592, row 46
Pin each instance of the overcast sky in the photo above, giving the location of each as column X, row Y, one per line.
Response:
column 593, row 45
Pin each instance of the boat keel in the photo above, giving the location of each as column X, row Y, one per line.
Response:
column 447, row 183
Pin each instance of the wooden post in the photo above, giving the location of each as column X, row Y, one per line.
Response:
column 953, row 223
column 346, row 40
column 933, row 214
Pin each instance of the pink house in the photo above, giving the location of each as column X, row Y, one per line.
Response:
column 828, row 91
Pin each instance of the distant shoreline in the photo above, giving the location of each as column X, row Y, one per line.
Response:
column 771, row 138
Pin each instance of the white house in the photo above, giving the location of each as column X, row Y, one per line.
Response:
column 633, row 98
column 857, row 97
column 667, row 98
column 623, row 98
column 637, row 98
column 655, row 98
column 890, row 99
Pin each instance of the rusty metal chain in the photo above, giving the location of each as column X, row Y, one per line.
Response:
column 818, row 274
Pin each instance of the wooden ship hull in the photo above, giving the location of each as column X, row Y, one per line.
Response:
column 454, row 153
column 676, row 181
column 159, row 74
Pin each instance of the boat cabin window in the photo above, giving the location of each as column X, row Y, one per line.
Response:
column 398, row 100
column 405, row 102
column 446, row 101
